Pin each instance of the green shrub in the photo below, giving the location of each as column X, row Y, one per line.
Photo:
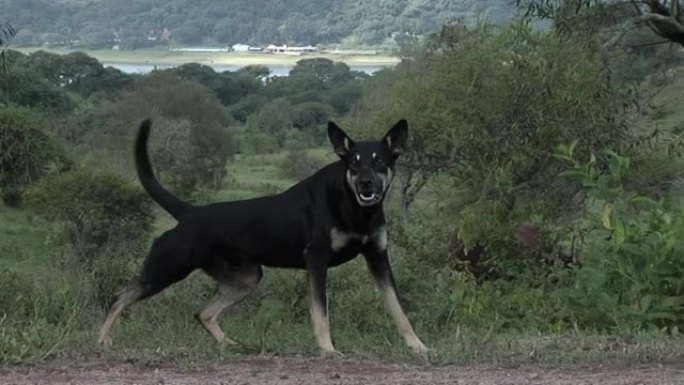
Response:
column 190, row 142
column 101, row 212
column 11, row 195
column 632, row 266
column 257, row 142
column 487, row 107
column 36, row 319
column 298, row 165
column 27, row 152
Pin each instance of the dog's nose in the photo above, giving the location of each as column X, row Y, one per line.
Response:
column 365, row 185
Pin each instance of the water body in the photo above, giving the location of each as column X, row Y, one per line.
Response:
column 276, row 70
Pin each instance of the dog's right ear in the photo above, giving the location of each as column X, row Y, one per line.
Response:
column 340, row 141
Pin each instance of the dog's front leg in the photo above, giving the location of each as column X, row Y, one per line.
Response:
column 378, row 264
column 319, row 307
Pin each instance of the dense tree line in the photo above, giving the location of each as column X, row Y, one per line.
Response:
column 100, row 24
column 202, row 116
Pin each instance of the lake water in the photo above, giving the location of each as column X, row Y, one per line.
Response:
column 276, row 70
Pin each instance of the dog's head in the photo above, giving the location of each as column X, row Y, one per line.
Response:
column 370, row 164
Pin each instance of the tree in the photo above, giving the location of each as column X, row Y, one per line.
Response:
column 309, row 114
column 571, row 15
column 664, row 22
column 27, row 152
column 187, row 116
column 321, row 72
column 76, row 72
column 6, row 33
column 489, row 107
column 229, row 87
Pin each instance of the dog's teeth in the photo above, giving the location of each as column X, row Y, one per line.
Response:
column 367, row 198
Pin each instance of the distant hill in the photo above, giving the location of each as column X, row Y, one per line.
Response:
column 144, row 23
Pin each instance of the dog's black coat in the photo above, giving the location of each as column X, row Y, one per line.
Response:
column 230, row 241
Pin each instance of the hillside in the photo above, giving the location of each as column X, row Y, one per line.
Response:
column 144, row 23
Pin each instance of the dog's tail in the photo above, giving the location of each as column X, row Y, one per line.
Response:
column 163, row 197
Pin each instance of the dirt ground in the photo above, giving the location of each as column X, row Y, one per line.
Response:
column 262, row 371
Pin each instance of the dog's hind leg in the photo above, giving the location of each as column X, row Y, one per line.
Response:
column 126, row 297
column 236, row 278
column 166, row 264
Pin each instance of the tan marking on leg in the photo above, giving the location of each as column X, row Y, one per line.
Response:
column 321, row 324
column 226, row 297
column 126, row 298
column 209, row 315
column 402, row 322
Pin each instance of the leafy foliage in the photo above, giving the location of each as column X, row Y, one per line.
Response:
column 102, row 24
column 53, row 82
column 101, row 211
column 191, row 136
column 6, row 33
column 487, row 107
column 299, row 165
column 27, row 151
column 631, row 273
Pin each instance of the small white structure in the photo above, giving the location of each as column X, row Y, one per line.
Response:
column 241, row 47
column 199, row 49
column 286, row 50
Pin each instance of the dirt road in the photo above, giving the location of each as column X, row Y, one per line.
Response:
column 263, row 371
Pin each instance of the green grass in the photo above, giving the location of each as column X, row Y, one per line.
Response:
column 22, row 238
column 274, row 322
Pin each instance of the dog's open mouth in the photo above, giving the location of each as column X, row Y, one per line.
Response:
column 368, row 197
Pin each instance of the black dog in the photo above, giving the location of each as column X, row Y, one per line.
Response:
column 323, row 221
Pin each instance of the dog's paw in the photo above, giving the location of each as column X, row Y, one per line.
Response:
column 331, row 353
column 420, row 349
column 105, row 341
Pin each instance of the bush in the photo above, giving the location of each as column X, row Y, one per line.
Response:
column 101, row 212
column 190, row 140
column 257, row 142
column 299, row 165
column 27, row 152
column 11, row 196
column 487, row 108
column 36, row 318
column 632, row 273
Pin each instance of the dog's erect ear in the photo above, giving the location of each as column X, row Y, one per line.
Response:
column 340, row 141
column 396, row 137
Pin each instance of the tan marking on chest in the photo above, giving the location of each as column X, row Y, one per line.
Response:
column 340, row 239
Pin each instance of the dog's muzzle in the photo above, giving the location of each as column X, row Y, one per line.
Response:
column 369, row 193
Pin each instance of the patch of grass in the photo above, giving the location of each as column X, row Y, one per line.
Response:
column 22, row 238
column 275, row 321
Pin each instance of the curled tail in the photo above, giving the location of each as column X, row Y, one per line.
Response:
column 163, row 197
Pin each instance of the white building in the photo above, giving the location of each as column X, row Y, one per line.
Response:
column 241, row 47
column 286, row 50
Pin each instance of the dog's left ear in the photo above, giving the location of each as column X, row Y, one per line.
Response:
column 340, row 141
column 396, row 137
